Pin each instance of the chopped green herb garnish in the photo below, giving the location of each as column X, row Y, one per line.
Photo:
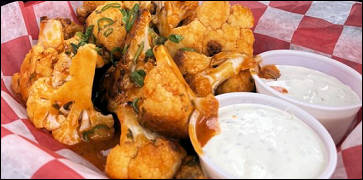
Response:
column 149, row 53
column 88, row 33
column 107, row 6
column 108, row 22
column 126, row 47
column 138, row 52
column 108, row 32
column 175, row 38
column 187, row 49
column 160, row 40
column 79, row 34
column 99, row 50
column 138, row 77
column 134, row 105
column 132, row 17
column 125, row 16
column 85, row 134
column 74, row 48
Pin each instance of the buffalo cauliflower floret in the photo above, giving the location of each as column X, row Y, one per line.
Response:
column 141, row 153
column 67, row 110
column 216, row 27
column 109, row 25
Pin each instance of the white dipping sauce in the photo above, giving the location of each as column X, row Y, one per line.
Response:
column 258, row 141
column 313, row 87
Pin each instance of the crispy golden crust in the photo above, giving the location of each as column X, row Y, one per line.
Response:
column 190, row 169
column 193, row 36
column 141, row 153
column 110, row 36
column 191, row 62
column 243, row 82
column 159, row 159
column 166, row 105
column 216, row 26
column 172, row 13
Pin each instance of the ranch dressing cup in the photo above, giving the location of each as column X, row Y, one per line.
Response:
column 278, row 140
column 337, row 120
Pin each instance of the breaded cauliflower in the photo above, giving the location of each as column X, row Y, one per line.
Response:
column 67, row 110
column 109, row 27
column 141, row 153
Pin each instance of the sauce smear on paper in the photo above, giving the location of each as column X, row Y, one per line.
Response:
column 93, row 150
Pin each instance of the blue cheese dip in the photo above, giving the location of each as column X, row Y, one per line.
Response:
column 311, row 86
column 259, row 141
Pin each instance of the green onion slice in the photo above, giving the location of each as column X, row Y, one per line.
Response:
column 134, row 105
column 105, row 21
column 175, row 38
column 138, row 52
column 138, row 77
column 108, row 32
column 107, row 6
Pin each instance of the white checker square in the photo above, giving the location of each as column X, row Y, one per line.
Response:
column 354, row 138
column 44, row 9
column 265, row 2
column 18, row 127
column 82, row 170
column 335, row 12
column 74, row 157
column 25, row 157
column 340, row 172
column 18, row 109
column 278, row 23
column 12, row 18
column 76, row 4
column 349, row 44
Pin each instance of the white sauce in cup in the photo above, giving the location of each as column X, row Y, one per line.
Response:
column 259, row 141
column 313, row 87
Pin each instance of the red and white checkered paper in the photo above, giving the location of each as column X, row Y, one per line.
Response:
column 333, row 29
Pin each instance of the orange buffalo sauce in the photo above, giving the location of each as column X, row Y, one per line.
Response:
column 92, row 151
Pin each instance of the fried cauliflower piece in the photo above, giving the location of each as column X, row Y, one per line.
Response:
column 216, row 27
column 67, row 110
column 87, row 8
column 193, row 35
column 242, row 82
column 141, row 153
column 109, row 27
column 190, row 169
column 166, row 106
column 191, row 63
column 170, row 13
column 69, row 27
column 41, row 58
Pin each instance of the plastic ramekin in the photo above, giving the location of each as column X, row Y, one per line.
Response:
column 213, row 171
column 337, row 120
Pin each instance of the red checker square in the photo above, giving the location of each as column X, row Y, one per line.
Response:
column 56, row 170
column 5, row 132
column 352, row 158
column 43, row 137
column 317, row 34
column 7, row 114
column 29, row 18
column 265, row 43
column 13, row 53
column 292, row 6
column 355, row 16
column 354, row 65
column 257, row 8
